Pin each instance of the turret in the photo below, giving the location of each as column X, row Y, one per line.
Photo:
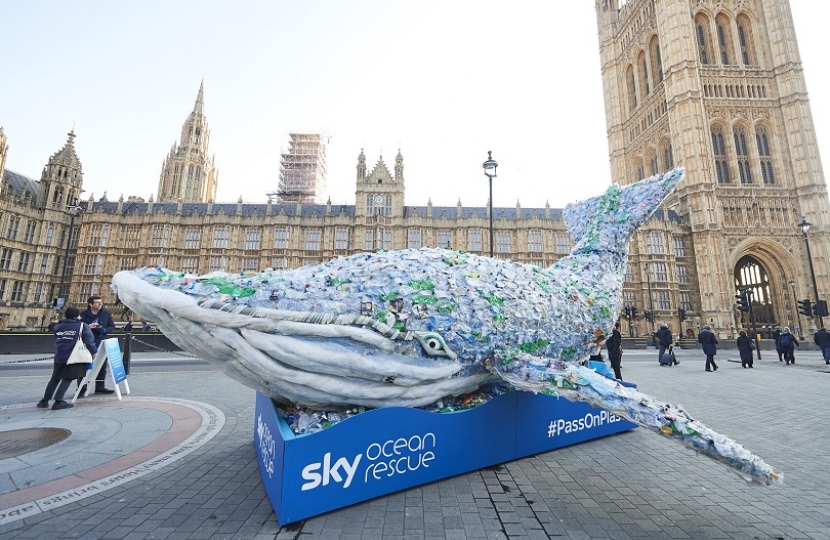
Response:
column 62, row 178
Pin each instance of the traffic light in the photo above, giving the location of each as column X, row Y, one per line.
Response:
column 627, row 312
column 681, row 314
column 805, row 308
column 649, row 316
column 633, row 312
column 820, row 309
column 743, row 301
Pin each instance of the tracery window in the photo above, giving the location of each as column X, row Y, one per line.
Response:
column 764, row 155
column 719, row 149
column 563, row 243
column 724, row 39
column 744, row 170
column 503, row 241
column 474, row 240
column 281, row 238
column 443, row 239
column 745, row 40
column 654, row 243
column 534, row 241
column 192, row 238
column 414, row 239
column 341, row 238
column 252, row 238
column 704, row 44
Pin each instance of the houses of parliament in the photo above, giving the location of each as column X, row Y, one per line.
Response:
column 714, row 86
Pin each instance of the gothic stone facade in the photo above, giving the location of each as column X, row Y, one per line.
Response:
column 718, row 87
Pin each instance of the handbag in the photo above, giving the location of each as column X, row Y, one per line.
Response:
column 80, row 354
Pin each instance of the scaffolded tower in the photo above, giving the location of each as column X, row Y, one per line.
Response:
column 303, row 169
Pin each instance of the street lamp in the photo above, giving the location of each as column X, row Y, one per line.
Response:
column 805, row 226
column 74, row 211
column 490, row 172
column 797, row 312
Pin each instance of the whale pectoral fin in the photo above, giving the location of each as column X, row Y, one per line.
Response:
column 581, row 384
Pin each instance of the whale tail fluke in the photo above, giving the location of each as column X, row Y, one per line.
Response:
column 607, row 222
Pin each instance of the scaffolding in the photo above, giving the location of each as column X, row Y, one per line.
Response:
column 303, row 169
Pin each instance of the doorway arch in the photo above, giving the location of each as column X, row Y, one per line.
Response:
column 752, row 275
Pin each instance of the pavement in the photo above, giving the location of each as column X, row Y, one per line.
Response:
column 175, row 460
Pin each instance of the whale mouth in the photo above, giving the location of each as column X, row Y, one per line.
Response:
column 310, row 363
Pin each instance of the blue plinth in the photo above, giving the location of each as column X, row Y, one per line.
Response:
column 386, row 450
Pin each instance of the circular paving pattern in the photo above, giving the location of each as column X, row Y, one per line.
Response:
column 132, row 437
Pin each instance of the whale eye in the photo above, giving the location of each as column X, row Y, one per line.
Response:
column 434, row 344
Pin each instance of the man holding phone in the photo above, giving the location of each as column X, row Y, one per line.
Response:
column 101, row 323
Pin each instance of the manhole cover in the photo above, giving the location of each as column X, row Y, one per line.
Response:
column 23, row 441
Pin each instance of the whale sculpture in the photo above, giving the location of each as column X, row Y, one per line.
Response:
column 406, row 328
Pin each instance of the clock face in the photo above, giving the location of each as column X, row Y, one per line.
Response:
column 378, row 200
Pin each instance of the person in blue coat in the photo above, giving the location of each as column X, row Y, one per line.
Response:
column 66, row 334
column 101, row 322
column 709, row 341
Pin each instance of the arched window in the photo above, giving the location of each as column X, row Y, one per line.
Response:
column 724, row 39
column 641, row 63
column 704, row 43
column 638, row 166
column 632, row 89
column 719, row 150
column 653, row 164
column 745, row 40
column 744, row 170
column 656, row 61
column 751, row 275
column 764, row 155
column 668, row 156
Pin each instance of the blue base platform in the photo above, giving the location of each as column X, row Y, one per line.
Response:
column 386, row 450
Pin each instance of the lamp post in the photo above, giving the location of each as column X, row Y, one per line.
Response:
column 805, row 226
column 74, row 211
column 797, row 313
column 490, row 172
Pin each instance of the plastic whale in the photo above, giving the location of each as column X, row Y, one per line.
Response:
column 406, row 328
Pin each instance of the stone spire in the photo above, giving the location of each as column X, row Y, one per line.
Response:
column 188, row 173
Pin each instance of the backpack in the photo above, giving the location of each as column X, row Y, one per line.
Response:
column 784, row 342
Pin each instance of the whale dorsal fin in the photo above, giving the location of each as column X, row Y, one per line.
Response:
column 608, row 221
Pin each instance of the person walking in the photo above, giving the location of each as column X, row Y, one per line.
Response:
column 614, row 345
column 664, row 339
column 709, row 341
column 786, row 346
column 822, row 339
column 101, row 323
column 66, row 335
column 745, row 348
column 776, row 336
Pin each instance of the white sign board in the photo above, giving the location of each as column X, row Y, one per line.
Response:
column 109, row 349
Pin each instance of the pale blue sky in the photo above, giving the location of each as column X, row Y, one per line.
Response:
column 444, row 81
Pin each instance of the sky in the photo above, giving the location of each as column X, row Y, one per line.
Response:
column 443, row 81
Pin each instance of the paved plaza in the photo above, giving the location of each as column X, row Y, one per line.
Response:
column 175, row 460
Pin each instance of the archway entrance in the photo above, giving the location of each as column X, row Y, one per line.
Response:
column 751, row 274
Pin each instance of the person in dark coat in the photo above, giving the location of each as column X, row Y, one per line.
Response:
column 664, row 339
column 776, row 334
column 101, row 322
column 786, row 345
column 822, row 339
column 614, row 345
column 66, row 334
column 745, row 348
column 707, row 338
